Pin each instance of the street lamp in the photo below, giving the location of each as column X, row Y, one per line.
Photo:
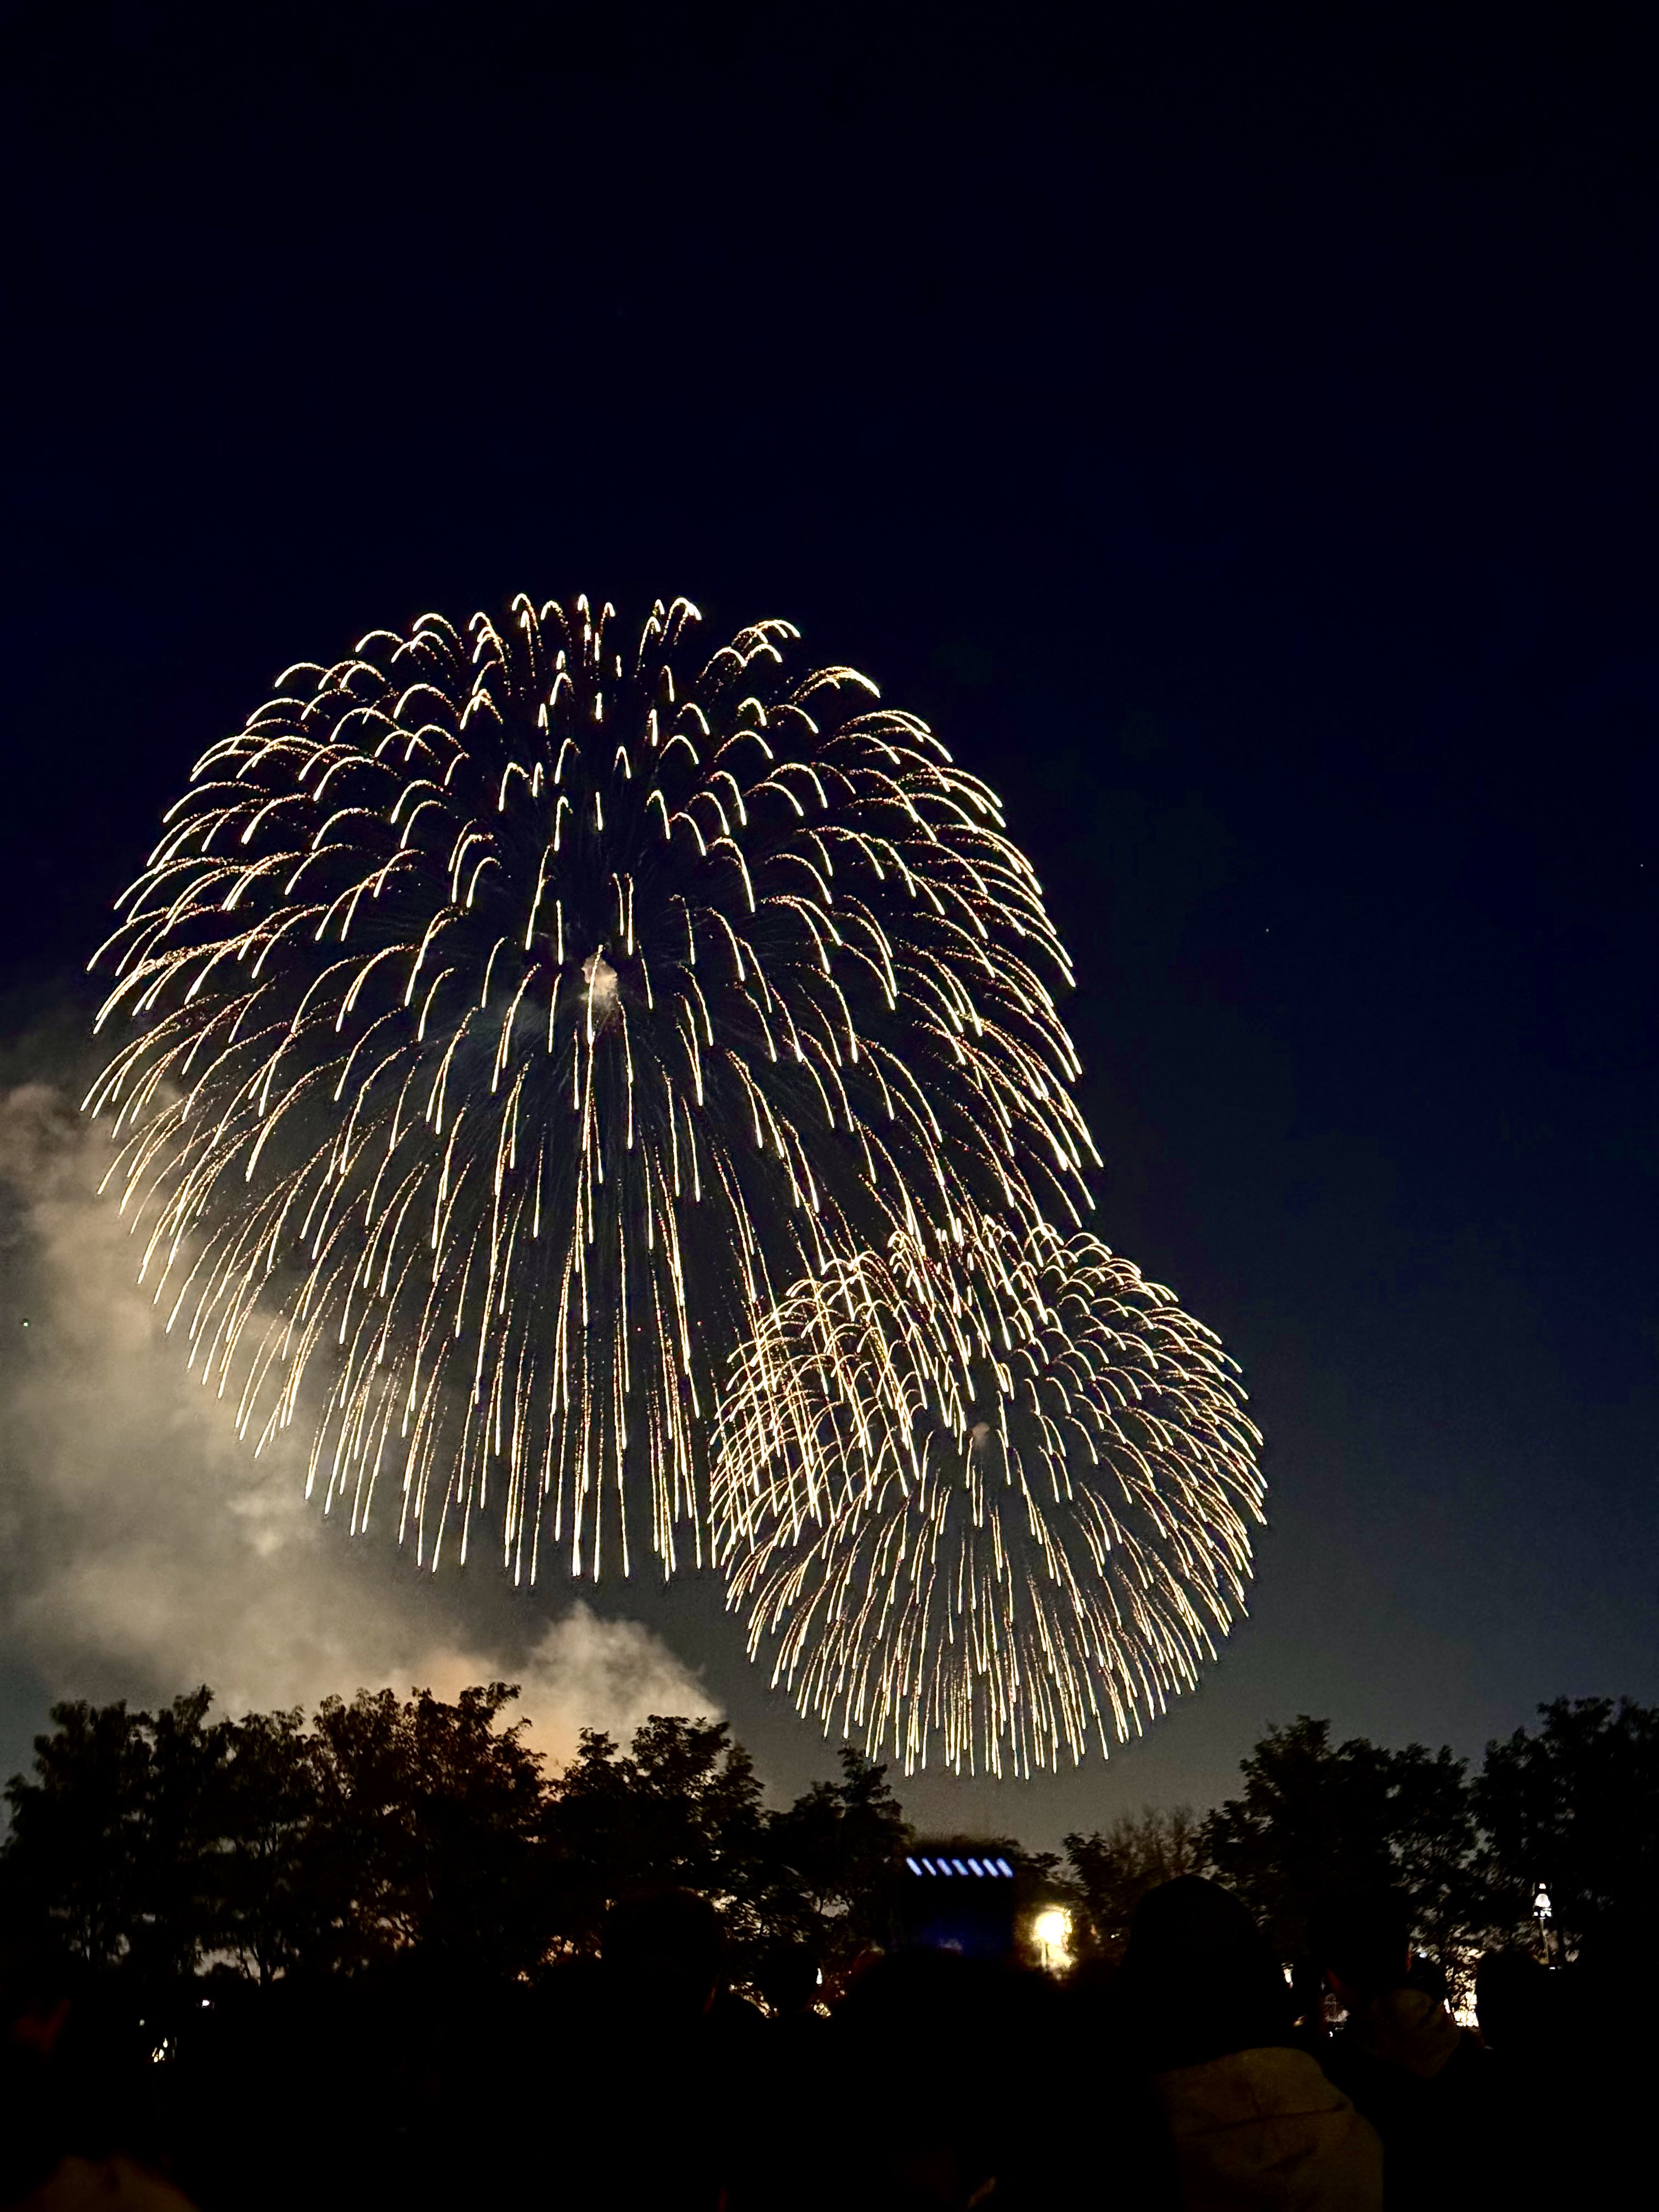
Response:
column 1051, row 1932
column 1542, row 1909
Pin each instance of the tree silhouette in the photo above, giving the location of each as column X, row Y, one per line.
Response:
column 270, row 1803
column 427, row 1831
column 833, row 1856
column 387, row 1832
column 681, row 1807
column 1316, row 1818
column 1114, row 1868
column 163, row 1842
column 1574, row 1806
column 114, row 1842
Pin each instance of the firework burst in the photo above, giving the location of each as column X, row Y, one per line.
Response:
column 990, row 1502
column 508, row 1017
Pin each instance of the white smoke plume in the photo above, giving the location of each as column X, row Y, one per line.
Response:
column 142, row 1549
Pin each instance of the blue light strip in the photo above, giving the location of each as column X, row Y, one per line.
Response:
column 997, row 1869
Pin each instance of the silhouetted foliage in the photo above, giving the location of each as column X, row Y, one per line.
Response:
column 681, row 1806
column 1113, row 1867
column 429, row 1832
column 1574, row 1806
column 165, row 1844
column 384, row 1831
column 119, row 1842
column 832, row 1856
column 1317, row 1818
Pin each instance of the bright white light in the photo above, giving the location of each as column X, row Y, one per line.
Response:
column 1051, row 1933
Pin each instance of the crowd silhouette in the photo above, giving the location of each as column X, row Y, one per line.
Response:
column 690, row 2054
column 927, row 2081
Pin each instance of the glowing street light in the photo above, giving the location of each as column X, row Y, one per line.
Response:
column 1051, row 1933
column 1543, row 1911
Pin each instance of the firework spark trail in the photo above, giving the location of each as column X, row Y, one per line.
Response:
column 505, row 1016
column 990, row 1506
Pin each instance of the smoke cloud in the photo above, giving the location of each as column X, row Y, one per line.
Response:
column 145, row 1550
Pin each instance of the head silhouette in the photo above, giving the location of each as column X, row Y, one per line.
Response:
column 661, row 1951
column 1198, row 1980
column 1362, row 1942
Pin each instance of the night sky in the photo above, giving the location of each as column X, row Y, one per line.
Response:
column 1234, row 430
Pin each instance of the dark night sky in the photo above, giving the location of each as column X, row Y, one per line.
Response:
column 1233, row 429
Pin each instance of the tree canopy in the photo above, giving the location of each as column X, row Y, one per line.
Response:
column 1317, row 1817
column 174, row 1842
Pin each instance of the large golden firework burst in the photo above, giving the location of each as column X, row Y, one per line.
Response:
column 509, row 1016
column 987, row 1501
